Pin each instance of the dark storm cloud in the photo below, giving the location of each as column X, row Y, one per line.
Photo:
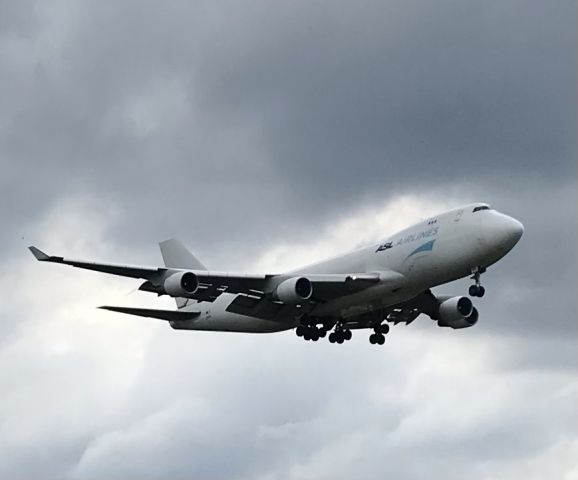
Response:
column 239, row 125
column 285, row 106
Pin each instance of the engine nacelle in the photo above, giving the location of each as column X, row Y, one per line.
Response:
column 457, row 312
column 181, row 284
column 294, row 290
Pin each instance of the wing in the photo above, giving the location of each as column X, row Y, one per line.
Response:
column 404, row 312
column 115, row 269
column 256, row 292
column 325, row 288
column 211, row 284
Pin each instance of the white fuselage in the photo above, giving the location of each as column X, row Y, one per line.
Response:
column 435, row 251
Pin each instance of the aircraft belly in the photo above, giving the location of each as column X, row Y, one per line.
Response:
column 372, row 298
column 215, row 318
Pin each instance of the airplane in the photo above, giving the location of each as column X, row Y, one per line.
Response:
column 389, row 282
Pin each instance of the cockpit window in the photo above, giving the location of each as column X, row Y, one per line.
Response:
column 483, row 207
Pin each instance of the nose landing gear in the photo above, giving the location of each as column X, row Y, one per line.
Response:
column 477, row 290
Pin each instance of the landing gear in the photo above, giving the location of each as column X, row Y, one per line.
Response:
column 310, row 333
column 340, row 335
column 378, row 337
column 309, row 330
column 477, row 290
column 383, row 329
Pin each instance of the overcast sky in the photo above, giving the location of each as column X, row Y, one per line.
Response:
column 267, row 135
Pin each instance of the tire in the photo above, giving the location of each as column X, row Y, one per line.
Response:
column 339, row 339
column 321, row 333
column 380, row 339
column 481, row 291
column 331, row 338
column 314, row 335
column 347, row 334
column 306, row 336
column 384, row 329
column 299, row 331
column 474, row 291
column 372, row 339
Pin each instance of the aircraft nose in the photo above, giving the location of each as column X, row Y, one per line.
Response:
column 505, row 232
column 515, row 230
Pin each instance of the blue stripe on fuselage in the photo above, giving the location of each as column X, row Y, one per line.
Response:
column 426, row 247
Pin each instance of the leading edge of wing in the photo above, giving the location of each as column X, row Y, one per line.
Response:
column 134, row 271
column 170, row 315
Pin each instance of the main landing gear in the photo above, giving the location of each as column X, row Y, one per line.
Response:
column 309, row 329
column 340, row 335
column 310, row 332
column 378, row 337
column 477, row 290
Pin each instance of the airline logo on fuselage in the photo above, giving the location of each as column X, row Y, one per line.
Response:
column 414, row 237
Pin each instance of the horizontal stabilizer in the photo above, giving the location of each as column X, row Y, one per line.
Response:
column 170, row 315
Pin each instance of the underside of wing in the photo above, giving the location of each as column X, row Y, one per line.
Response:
column 266, row 308
column 328, row 287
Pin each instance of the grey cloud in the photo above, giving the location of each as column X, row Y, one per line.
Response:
column 294, row 105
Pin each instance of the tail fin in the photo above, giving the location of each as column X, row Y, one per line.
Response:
column 176, row 255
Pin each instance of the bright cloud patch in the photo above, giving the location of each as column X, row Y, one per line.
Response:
column 109, row 396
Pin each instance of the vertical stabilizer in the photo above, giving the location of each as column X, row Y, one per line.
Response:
column 176, row 255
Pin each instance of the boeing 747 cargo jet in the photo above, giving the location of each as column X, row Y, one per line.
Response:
column 389, row 282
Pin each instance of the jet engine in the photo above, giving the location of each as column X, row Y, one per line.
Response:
column 181, row 284
column 294, row 290
column 457, row 312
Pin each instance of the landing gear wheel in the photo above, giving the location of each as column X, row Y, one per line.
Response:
column 373, row 338
column 332, row 337
column 300, row 330
column 382, row 329
column 380, row 339
column 347, row 334
column 340, row 339
column 314, row 334
column 477, row 290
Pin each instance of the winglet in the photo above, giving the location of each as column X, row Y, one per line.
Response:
column 39, row 254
